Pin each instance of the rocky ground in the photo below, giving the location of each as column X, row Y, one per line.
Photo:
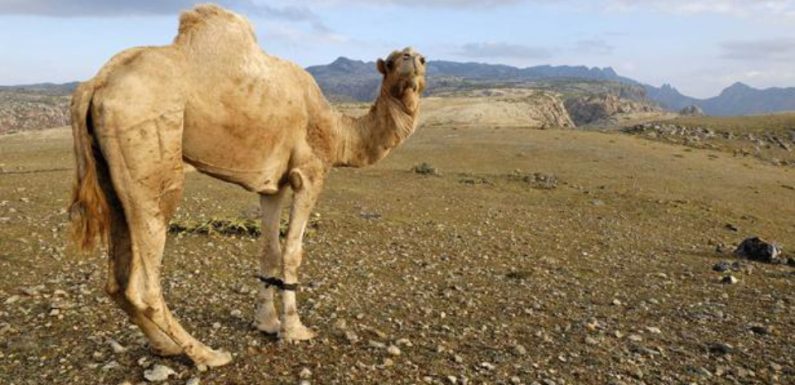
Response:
column 772, row 145
column 515, row 256
column 31, row 110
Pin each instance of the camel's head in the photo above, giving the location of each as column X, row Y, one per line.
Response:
column 404, row 76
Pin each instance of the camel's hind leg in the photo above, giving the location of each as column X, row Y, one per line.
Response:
column 119, row 259
column 145, row 165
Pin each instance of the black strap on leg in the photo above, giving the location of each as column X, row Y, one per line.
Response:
column 277, row 283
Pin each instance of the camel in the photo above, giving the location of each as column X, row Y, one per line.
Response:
column 216, row 101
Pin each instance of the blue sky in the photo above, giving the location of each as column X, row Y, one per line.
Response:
column 699, row 46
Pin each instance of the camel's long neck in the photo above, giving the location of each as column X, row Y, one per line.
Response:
column 367, row 139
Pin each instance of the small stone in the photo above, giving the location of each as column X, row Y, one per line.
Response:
column 304, row 382
column 31, row 291
column 11, row 299
column 193, row 381
column 760, row 329
column 616, row 302
column 351, row 336
column 720, row 348
column 452, row 380
column 487, row 365
column 305, row 373
column 110, row 366
column 388, row 362
column 116, row 347
column 144, row 362
column 393, row 350
column 158, row 373
column 653, row 330
column 729, row 280
column 458, row 359
column 519, row 350
column 376, row 344
column 236, row 313
column 591, row 341
column 216, row 325
column 340, row 324
column 635, row 338
column 721, row 267
column 516, row 380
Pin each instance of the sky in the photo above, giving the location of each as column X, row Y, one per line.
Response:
column 698, row 46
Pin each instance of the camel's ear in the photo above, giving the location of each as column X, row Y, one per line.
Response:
column 381, row 66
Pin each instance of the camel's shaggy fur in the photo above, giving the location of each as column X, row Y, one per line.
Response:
column 215, row 100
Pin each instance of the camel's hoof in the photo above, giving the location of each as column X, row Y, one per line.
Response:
column 270, row 327
column 298, row 333
column 215, row 358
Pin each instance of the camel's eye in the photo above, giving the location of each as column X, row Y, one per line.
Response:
column 422, row 60
column 390, row 64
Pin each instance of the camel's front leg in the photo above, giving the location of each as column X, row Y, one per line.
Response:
column 267, row 320
column 307, row 184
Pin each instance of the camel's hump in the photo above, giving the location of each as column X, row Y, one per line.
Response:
column 211, row 16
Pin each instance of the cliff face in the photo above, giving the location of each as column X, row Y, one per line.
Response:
column 497, row 108
column 29, row 110
column 593, row 108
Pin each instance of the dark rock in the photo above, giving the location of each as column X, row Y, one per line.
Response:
column 721, row 266
column 760, row 329
column 720, row 348
column 692, row 110
column 729, row 280
column 756, row 249
column 425, row 169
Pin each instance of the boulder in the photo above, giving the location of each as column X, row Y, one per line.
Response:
column 691, row 110
column 756, row 249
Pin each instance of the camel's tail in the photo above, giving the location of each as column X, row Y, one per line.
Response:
column 89, row 210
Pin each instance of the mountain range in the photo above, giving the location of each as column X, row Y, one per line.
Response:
column 346, row 79
column 355, row 80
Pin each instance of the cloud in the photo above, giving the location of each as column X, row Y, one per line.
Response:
column 116, row 8
column 121, row 8
column 691, row 7
column 503, row 50
column 594, row 47
column 763, row 50
column 425, row 3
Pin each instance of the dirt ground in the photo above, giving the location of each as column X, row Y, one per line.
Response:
column 476, row 275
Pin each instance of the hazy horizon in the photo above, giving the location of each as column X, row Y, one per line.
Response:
column 699, row 47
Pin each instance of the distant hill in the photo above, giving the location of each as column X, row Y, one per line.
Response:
column 355, row 80
column 62, row 89
column 737, row 99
